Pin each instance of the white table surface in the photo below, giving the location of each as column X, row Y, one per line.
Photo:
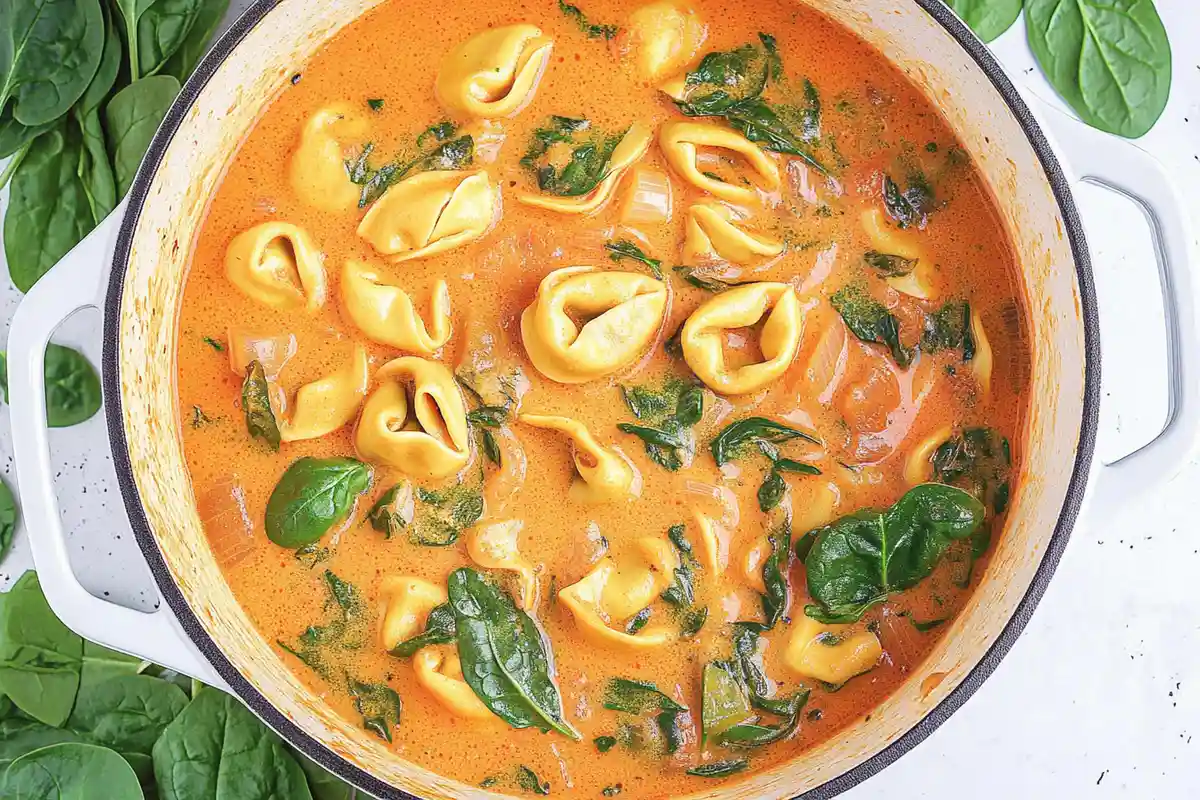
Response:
column 1100, row 697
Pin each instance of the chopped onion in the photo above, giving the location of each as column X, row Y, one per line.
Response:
column 228, row 524
column 489, row 138
column 270, row 351
column 724, row 498
column 648, row 199
column 504, row 483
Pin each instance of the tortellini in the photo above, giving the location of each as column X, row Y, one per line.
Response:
column 713, row 233
column 681, row 142
column 624, row 310
column 830, row 653
column 415, row 420
column 814, row 503
column 889, row 240
column 742, row 307
column 407, row 602
column 277, row 264
column 665, row 37
column 633, row 146
column 325, row 405
column 318, row 167
column 494, row 74
column 981, row 363
column 617, row 588
column 714, row 544
column 385, row 312
column 430, row 213
column 494, row 546
column 603, row 476
column 439, row 671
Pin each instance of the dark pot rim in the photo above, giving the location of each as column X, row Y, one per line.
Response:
column 326, row 757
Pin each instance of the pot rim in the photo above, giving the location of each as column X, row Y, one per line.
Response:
column 325, row 756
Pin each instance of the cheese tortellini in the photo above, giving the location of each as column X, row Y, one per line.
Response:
column 440, row 673
column 887, row 239
column 430, row 213
column 602, row 475
column 495, row 546
column 982, row 362
column 277, row 264
column 742, row 307
column 617, row 588
column 406, row 602
column 632, row 147
column 386, row 314
column 665, row 37
column 494, row 74
column 830, row 653
column 681, row 143
column 624, row 311
column 415, row 420
column 713, row 232
column 318, row 167
column 325, row 405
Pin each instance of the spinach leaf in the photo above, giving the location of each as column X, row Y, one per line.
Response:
column 624, row 248
column 719, row 769
column 162, row 29
column 861, row 559
column 701, row 280
column 217, row 748
column 8, row 519
column 730, row 444
column 889, row 266
column 504, row 655
column 95, row 171
column 19, row 736
column 439, row 629
column 379, row 705
column 681, row 594
column 949, row 328
column 871, row 322
column 393, row 511
column 131, row 119
column 592, row 30
column 988, row 18
column 605, row 743
column 638, row 621
column 193, row 47
column 48, row 211
column 1109, row 59
column 100, row 664
column 444, row 515
column 669, row 442
column 319, row 645
column 574, row 175
column 40, row 658
column 324, row 785
column 908, row 207
column 313, row 496
column 53, row 48
column 978, row 460
column 70, row 771
column 527, row 779
column 446, row 154
column 126, row 713
column 775, row 573
column 72, row 387
column 637, row 697
column 256, row 405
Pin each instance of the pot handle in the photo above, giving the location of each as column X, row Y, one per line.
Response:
column 1123, row 167
column 71, row 285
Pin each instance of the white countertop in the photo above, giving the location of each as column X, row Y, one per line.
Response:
column 1100, row 697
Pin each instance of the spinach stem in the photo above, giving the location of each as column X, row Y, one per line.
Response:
column 11, row 167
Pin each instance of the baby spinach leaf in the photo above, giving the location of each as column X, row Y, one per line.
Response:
column 624, row 248
column 95, row 171
column 719, row 769
column 126, row 713
column 379, row 705
column 527, row 779
column 861, row 559
column 592, row 30
column 131, row 118
column 193, row 47
column 100, row 664
column 162, row 29
column 8, row 519
column 256, row 405
column 40, row 658
column 731, row 443
column 1109, row 59
column 439, row 629
column 444, row 515
column 978, row 460
column 53, row 48
column 71, row 771
column 504, row 655
column 889, row 266
column 48, row 210
column 72, row 387
column 313, row 495
column 578, row 173
column 988, row 18
column 19, row 736
column 949, row 328
column 393, row 511
column 217, row 748
column 871, row 322
column 637, row 697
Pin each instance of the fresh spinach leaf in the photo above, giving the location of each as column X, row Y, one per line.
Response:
column 504, row 655
column 256, row 405
column 988, row 18
column 193, row 47
column 576, row 174
column 732, row 442
column 527, row 779
column 871, row 322
column 889, row 266
column 162, row 29
column 1109, row 59
column 40, row 659
column 379, row 705
column 861, row 559
column 48, row 211
column 313, row 496
column 217, row 748
column 393, row 511
column 439, row 629
column 624, row 248
column 592, row 30
column 131, row 119
column 126, row 713
column 19, row 736
column 8, row 519
column 719, row 769
column 324, row 785
column 72, row 387
column 70, row 771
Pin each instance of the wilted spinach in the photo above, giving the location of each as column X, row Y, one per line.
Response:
column 642, row 697
column 393, row 511
column 256, row 405
column 528, row 780
column 908, row 207
column 978, row 460
column 576, row 174
column 949, row 328
column 593, row 30
column 449, row 152
column 314, row 495
column 681, row 593
column 719, row 769
column 871, row 322
column 701, row 280
column 734, row 440
column 346, row 630
column 623, row 248
column 889, row 266
column 445, row 514
column 379, row 705
column 439, row 629
column 672, row 412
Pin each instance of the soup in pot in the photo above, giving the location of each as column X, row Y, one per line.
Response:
column 604, row 400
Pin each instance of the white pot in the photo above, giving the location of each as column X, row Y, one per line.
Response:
column 202, row 631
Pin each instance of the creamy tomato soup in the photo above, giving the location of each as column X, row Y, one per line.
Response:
column 620, row 399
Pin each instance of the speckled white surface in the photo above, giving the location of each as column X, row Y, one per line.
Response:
column 1100, row 698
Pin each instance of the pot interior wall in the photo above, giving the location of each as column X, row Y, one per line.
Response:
column 191, row 166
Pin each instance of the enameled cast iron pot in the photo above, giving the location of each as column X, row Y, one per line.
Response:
column 202, row 631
